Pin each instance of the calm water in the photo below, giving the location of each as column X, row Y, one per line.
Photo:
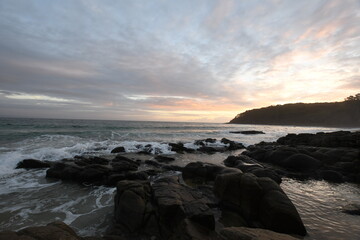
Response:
column 27, row 198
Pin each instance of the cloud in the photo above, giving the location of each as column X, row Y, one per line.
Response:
column 135, row 60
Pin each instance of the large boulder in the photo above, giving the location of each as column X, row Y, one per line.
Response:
column 260, row 201
column 133, row 208
column 301, row 162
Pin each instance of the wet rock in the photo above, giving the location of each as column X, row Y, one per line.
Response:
column 118, row 150
column 259, row 201
column 164, row 159
column 199, row 172
column 352, row 209
column 202, row 142
column 243, row 233
column 52, row 231
column 177, row 202
column 333, row 139
column 209, row 150
column 301, row 162
column 179, row 148
column 232, row 144
column 132, row 206
column 249, row 165
column 114, row 178
column 121, row 164
column 33, row 163
column 153, row 163
column 332, row 176
column 165, row 209
column 250, row 132
column 63, row 171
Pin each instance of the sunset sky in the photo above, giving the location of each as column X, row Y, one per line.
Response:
column 174, row 60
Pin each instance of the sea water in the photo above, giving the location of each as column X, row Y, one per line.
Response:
column 27, row 198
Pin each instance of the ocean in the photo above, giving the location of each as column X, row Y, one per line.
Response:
column 27, row 198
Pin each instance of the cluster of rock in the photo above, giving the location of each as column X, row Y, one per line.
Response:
column 333, row 157
column 169, row 209
column 207, row 145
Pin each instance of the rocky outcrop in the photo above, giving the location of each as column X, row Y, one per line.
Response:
column 96, row 170
column 33, row 163
column 334, row 139
column 52, row 231
column 249, row 165
column 260, row 202
column 164, row 209
column 308, row 162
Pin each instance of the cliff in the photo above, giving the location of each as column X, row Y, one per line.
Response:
column 333, row 114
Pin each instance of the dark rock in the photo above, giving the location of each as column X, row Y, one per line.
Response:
column 199, row 172
column 132, row 205
column 249, row 165
column 164, row 159
column 332, row 176
column 209, row 150
column 177, row 202
column 259, row 201
column 124, row 164
column 301, row 162
column 251, row 132
column 244, row 233
column 153, row 163
column 118, row 150
column 63, row 171
column 53, row 231
column 203, row 142
column 333, row 139
column 114, row 178
column 179, row 148
column 173, row 168
column 352, row 209
column 33, row 163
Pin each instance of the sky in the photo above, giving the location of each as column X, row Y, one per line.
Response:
column 188, row 60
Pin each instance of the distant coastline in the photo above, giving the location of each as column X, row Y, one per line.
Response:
column 332, row 114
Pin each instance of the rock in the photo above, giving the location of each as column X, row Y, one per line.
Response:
column 209, row 150
column 118, row 150
column 352, row 209
column 251, row 132
column 249, row 165
column 63, row 171
column 177, row 202
column 332, row 176
column 199, row 172
column 114, row 178
column 301, row 162
column 232, row 144
column 153, row 163
column 333, row 139
column 244, row 233
column 164, row 159
column 259, row 201
column 121, row 164
column 203, row 142
column 33, row 163
column 132, row 205
column 179, row 148
column 52, row 231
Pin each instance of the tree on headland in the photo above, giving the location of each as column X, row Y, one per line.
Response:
column 353, row 98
